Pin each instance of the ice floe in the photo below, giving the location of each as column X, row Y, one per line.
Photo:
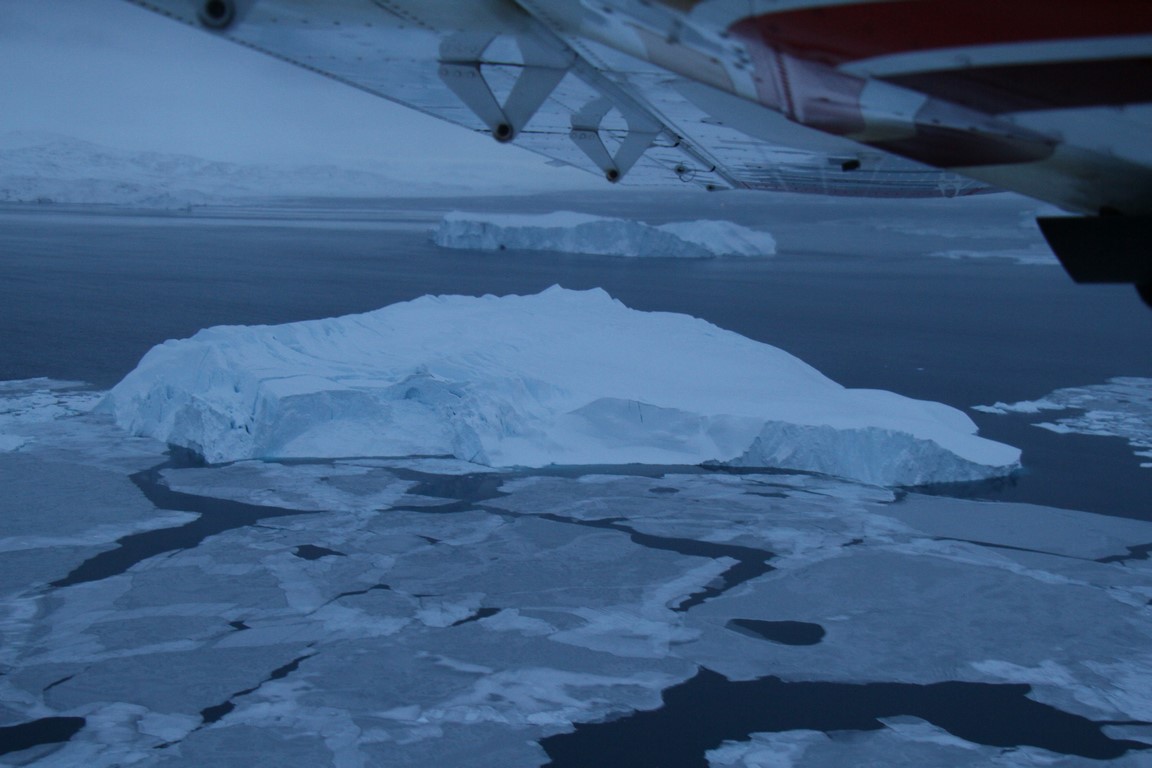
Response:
column 568, row 232
column 902, row 740
column 1033, row 255
column 28, row 401
column 562, row 377
column 1122, row 407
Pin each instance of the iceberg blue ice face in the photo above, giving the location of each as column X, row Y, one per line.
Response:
column 562, row 377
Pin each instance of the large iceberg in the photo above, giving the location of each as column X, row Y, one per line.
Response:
column 562, row 377
column 569, row 232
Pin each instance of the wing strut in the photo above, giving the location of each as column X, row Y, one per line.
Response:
column 642, row 132
column 546, row 61
column 460, row 58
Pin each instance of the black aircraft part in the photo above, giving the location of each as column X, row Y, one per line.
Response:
column 1103, row 249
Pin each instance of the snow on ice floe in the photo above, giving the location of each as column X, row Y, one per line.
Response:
column 1032, row 255
column 562, row 377
column 1120, row 408
column 915, row 741
column 31, row 401
column 568, row 232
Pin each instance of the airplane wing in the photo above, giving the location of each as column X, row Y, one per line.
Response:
column 502, row 68
column 886, row 98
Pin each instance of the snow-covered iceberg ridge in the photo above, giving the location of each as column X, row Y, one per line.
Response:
column 568, row 232
column 562, row 377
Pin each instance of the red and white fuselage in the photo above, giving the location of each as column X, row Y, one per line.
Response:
column 1053, row 100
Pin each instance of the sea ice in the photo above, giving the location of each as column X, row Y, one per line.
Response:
column 1033, row 255
column 562, row 377
column 1122, row 407
column 903, row 741
column 31, row 401
column 462, row 630
column 569, row 232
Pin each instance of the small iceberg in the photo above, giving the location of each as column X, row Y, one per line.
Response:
column 567, row 232
column 561, row 377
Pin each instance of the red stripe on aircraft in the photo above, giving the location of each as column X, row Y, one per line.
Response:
column 797, row 54
column 836, row 34
column 1027, row 87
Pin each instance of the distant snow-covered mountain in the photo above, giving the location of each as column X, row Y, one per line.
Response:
column 48, row 167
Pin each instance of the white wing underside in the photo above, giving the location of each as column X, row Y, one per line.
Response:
column 489, row 67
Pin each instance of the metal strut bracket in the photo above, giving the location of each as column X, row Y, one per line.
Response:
column 460, row 59
column 546, row 62
column 642, row 132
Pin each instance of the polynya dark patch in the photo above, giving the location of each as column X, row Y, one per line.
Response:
column 313, row 552
column 709, row 709
column 212, row 714
column 46, row 730
column 783, row 632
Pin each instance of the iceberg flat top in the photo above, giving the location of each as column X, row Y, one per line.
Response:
column 570, row 232
column 564, row 377
column 553, row 219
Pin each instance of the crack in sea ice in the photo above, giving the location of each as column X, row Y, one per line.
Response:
column 483, row 613
column 1138, row 552
column 470, row 491
column 214, row 515
column 217, row 712
column 1012, row 548
column 750, row 562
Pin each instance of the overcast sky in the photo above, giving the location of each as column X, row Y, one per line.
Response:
column 109, row 72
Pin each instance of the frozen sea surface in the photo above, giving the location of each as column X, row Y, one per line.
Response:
column 431, row 612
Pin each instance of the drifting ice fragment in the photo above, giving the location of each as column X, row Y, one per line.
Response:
column 562, row 377
column 568, row 232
